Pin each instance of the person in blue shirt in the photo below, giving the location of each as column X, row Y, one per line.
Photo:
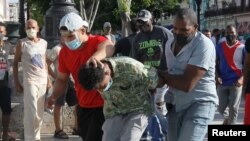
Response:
column 190, row 74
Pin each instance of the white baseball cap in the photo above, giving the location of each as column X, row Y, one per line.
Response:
column 144, row 15
column 107, row 24
column 72, row 22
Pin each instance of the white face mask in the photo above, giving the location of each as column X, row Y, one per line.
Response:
column 108, row 86
column 31, row 33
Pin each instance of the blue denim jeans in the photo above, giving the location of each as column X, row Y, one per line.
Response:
column 157, row 126
column 191, row 123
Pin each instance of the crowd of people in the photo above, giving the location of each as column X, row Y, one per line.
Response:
column 166, row 84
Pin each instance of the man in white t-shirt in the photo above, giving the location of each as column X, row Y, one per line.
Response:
column 107, row 32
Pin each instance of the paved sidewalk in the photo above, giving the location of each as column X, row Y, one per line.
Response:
column 217, row 121
column 49, row 137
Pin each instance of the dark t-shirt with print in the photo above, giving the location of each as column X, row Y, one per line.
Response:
column 149, row 47
column 123, row 46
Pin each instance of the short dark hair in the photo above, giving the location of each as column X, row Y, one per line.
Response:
column 205, row 30
column 216, row 30
column 90, row 77
column 187, row 14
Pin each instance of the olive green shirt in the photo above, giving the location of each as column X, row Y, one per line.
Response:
column 129, row 91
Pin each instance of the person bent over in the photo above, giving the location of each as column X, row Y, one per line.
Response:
column 123, row 83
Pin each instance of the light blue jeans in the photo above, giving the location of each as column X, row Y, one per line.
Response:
column 191, row 123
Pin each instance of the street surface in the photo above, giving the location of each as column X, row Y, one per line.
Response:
column 218, row 120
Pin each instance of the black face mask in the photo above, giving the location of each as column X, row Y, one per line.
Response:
column 230, row 38
column 144, row 28
column 183, row 39
column 107, row 30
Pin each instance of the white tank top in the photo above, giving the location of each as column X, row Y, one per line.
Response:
column 34, row 61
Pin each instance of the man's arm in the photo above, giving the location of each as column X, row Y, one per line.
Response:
column 185, row 82
column 217, row 72
column 17, row 59
column 50, row 70
column 59, row 87
column 105, row 49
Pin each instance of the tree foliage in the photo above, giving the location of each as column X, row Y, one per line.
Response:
column 124, row 11
column 108, row 9
column 37, row 9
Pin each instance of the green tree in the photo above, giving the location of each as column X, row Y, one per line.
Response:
column 108, row 10
column 37, row 9
column 129, row 8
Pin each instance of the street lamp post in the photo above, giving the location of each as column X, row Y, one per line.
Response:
column 13, row 31
column 198, row 3
column 58, row 9
column 21, row 18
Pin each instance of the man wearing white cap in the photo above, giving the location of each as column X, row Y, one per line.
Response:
column 78, row 49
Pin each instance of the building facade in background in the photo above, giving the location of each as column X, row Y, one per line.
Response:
column 220, row 13
column 4, row 10
column 14, row 12
column 9, row 10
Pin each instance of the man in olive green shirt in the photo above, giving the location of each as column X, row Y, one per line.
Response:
column 123, row 83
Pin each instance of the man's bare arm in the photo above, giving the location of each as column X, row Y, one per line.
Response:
column 59, row 88
column 185, row 82
column 105, row 49
column 17, row 59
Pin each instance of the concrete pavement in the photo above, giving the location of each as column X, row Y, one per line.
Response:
column 49, row 137
column 217, row 121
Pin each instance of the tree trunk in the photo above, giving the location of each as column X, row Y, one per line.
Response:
column 124, row 9
column 126, row 30
column 88, row 12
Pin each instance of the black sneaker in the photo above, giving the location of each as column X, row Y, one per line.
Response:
column 61, row 135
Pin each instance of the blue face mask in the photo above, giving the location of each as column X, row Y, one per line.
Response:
column 108, row 86
column 75, row 44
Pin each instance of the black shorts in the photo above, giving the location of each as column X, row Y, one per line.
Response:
column 90, row 121
column 5, row 100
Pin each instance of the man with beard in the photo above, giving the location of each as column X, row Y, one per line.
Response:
column 148, row 47
column 229, row 68
column 190, row 75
